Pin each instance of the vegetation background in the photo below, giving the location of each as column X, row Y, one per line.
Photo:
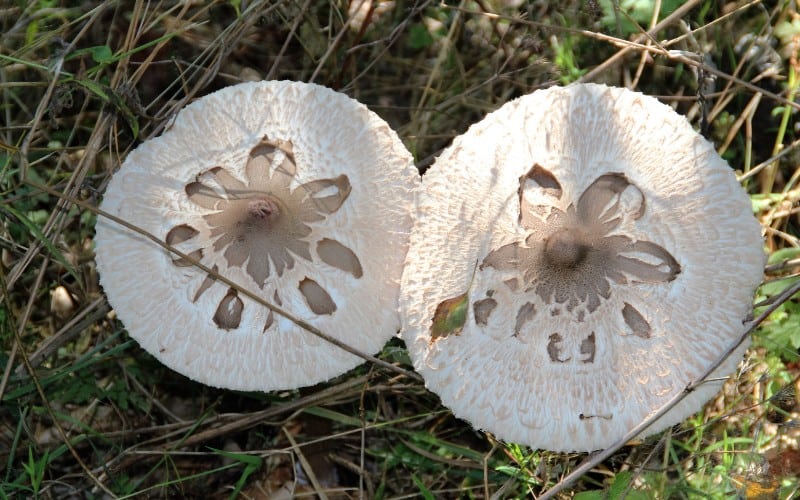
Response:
column 86, row 413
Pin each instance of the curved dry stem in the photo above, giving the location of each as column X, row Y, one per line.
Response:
column 222, row 279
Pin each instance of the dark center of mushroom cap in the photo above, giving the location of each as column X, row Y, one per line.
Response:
column 574, row 254
column 566, row 248
column 262, row 210
column 261, row 222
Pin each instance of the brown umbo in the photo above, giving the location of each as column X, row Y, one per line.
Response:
column 262, row 224
column 572, row 254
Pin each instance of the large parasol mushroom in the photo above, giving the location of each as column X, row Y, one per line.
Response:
column 579, row 257
column 296, row 193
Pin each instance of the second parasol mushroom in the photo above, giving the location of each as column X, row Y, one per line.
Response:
column 579, row 257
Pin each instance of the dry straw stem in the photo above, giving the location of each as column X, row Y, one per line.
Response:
column 306, row 465
column 184, row 434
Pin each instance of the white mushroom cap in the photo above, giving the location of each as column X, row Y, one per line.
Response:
column 579, row 257
column 296, row 193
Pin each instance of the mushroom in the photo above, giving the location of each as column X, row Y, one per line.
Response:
column 580, row 256
column 298, row 194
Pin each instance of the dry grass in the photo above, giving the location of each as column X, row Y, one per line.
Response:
column 87, row 413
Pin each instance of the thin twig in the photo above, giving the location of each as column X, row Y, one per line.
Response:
column 221, row 425
column 306, row 465
column 244, row 291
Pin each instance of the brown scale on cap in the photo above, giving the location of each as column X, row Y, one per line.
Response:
column 229, row 312
column 482, row 309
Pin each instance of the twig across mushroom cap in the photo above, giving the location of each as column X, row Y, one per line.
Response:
column 295, row 193
column 563, row 279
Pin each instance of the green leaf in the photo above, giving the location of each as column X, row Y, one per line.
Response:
column 782, row 336
column 776, row 287
column 78, row 389
column 107, row 95
column 450, row 317
column 622, row 482
column 426, row 493
column 761, row 202
column 445, row 448
column 101, row 91
column 237, row 6
column 251, row 464
column 243, row 458
column 333, row 416
column 591, row 495
column 783, row 255
column 419, row 37
column 31, row 32
column 101, row 54
column 620, row 489
column 633, row 12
